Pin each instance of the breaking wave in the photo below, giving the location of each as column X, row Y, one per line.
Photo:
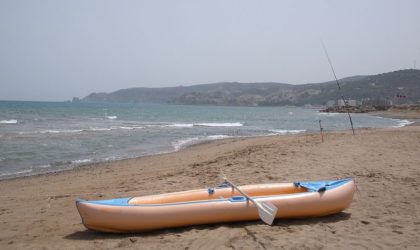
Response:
column 183, row 143
column 205, row 124
column 179, row 125
column 328, row 114
column 227, row 124
column 287, row 131
column 131, row 128
column 23, row 172
column 71, row 131
column 8, row 121
column 402, row 123
column 81, row 161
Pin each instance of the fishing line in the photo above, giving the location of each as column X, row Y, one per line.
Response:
column 339, row 87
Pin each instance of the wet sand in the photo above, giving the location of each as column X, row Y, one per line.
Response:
column 39, row 212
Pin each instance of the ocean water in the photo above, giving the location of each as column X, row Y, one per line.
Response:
column 39, row 137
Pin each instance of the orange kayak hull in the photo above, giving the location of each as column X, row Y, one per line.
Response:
column 218, row 205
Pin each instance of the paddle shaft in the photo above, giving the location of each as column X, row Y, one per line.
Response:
column 266, row 210
column 244, row 194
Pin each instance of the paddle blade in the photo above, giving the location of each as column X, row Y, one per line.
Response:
column 267, row 212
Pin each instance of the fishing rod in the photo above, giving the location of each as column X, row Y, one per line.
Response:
column 339, row 88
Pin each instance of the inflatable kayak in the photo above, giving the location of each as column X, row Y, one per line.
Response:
column 215, row 205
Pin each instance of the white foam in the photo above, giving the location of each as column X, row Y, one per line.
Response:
column 227, row 124
column 131, row 128
column 217, row 137
column 99, row 129
column 64, row 131
column 50, row 132
column 8, row 121
column 402, row 123
column 81, row 161
column 184, row 142
column 68, row 131
column 112, row 117
column 44, row 166
column 328, row 114
column 180, row 125
column 17, row 173
column 201, row 124
column 180, row 144
column 287, row 131
column 59, row 131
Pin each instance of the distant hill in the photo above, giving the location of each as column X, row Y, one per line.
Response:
column 381, row 86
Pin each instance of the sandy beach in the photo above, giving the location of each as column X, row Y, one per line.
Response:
column 39, row 212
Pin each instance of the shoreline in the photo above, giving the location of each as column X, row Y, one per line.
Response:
column 413, row 118
column 117, row 161
column 39, row 211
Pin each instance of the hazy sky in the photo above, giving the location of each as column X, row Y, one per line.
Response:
column 54, row 50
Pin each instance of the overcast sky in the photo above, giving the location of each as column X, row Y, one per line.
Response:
column 54, row 50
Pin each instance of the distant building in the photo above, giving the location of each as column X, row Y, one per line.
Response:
column 351, row 103
column 331, row 103
column 340, row 103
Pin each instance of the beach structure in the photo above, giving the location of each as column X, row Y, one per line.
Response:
column 350, row 103
column 379, row 102
column 224, row 203
column 331, row 103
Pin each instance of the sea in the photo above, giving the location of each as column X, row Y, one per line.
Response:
column 42, row 137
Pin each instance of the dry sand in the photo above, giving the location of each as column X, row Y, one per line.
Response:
column 39, row 212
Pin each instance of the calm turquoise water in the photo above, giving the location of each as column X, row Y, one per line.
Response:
column 37, row 137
